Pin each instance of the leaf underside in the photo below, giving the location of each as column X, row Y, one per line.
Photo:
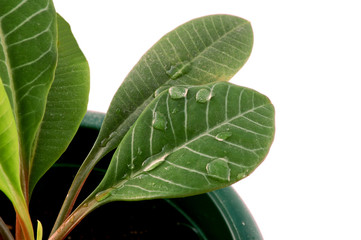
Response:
column 190, row 140
column 208, row 49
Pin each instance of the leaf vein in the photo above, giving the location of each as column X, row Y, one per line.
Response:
column 191, row 37
column 13, row 10
column 49, row 50
column 47, row 29
column 28, row 19
column 189, row 170
column 170, row 182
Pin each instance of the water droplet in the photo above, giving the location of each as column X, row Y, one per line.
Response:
column 131, row 166
column 223, row 136
column 101, row 196
column 203, row 95
column 178, row 70
column 125, row 176
column 159, row 121
column 242, row 175
column 113, row 134
column 85, row 205
column 152, row 163
column 178, row 92
column 139, row 151
column 219, row 169
column 160, row 90
column 104, row 142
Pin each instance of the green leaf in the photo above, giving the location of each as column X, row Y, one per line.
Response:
column 28, row 58
column 208, row 49
column 208, row 139
column 10, row 160
column 66, row 104
column 9, row 150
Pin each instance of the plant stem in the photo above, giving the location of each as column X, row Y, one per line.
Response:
column 74, row 219
column 21, row 230
column 5, row 233
column 89, row 163
column 19, row 235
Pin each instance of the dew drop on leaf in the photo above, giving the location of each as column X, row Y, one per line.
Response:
column 178, row 92
column 125, row 176
column 139, row 151
column 203, row 95
column 175, row 110
column 159, row 121
column 178, row 70
column 104, row 142
column 152, row 163
column 131, row 166
column 242, row 175
column 101, row 196
column 223, row 136
column 160, row 90
column 219, row 169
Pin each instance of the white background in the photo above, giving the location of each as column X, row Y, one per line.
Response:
column 306, row 58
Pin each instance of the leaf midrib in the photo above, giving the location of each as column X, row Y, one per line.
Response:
column 8, row 67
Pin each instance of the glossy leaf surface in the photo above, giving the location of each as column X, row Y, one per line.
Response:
column 66, row 103
column 28, row 58
column 211, row 137
column 207, row 49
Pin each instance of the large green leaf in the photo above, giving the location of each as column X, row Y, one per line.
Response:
column 66, row 103
column 190, row 140
column 28, row 58
column 208, row 49
column 10, row 159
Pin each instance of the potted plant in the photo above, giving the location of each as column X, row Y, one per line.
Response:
column 174, row 128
